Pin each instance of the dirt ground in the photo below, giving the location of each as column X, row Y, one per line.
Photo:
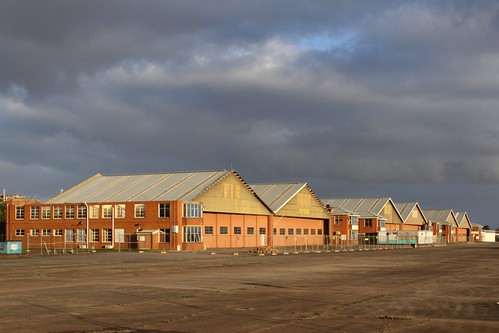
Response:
column 443, row 289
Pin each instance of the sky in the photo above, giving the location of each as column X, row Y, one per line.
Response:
column 359, row 99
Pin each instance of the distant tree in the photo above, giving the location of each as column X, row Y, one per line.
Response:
column 486, row 227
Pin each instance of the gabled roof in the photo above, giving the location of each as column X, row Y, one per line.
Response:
column 342, row 211
column 406, row 208
column 365, row 207
column 143, row 187
column 442, row 216
column 463, row 220
column 276, row 196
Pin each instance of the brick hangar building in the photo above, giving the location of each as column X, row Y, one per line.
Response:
column 168, row 211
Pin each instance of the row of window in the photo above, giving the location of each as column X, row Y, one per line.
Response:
column 338, row 219
column 208, row 230
column 367, row 222
column 297, row 232
column 96, row 235
column 190, row 234
column 104, row 211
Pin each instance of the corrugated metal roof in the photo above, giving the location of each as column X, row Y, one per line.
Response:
column 142, row 187
column 405, row 209
column 365, row 208
column 342, row 211
column 463, row 220
column 275, row 196
column 440, row 215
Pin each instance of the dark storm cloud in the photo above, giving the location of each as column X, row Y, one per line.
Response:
column 357, row 98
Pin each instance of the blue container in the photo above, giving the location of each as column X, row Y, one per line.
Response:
column 11, row 247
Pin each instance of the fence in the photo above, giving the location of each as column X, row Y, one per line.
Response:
column 279, row 243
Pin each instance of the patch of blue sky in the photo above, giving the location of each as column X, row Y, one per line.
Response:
column 341, row 42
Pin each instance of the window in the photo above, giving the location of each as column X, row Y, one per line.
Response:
column 354, row 220
column 119, row 235
column 35, row 212
column 319, row 231
column 164, row 210
column 70, row 212
column 192, row 234
column 81, row 235
column 34, row 232
column 193, row 210
column 46, row 212
column 94, row 211
column 338, row 219
column 107, row 235
column 119, row 212
column 46, row 232
column 250, row 231
column 165, row 235
column 57, row 232
column 57, row 212
column 262, row 231
column 94, row 235
column 19, row 232
column 107, row 211
column 140, row 210
column 290, row 231
column 354, row 235
column 282, row 231
column 237, row 230
column 69, row 235
column 368, row 223
column 20, row 213
column 312, row 231
column 208, row 230
column 224, row 230
column 305, row 231
column 382, row 224
column 82, row 212
column 274, row 231
column 298, row 232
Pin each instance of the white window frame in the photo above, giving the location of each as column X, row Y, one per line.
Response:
column 34, row 212
column 82, row 212
column 94, row 235
column 140, row 211
column 94, row 211
column 119, row 211
column 107, row 235
column 69, row 212
column 69, row 235
column 193, row 210
column 192, row 234
column 46, row 212
column 20, row 211
column 81, row 235
column 164, row 210
column 57, row 210
column 107, row 211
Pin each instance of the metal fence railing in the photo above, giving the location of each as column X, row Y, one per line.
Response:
column 44, row 245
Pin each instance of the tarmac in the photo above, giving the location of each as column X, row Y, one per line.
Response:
column 451, row 288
